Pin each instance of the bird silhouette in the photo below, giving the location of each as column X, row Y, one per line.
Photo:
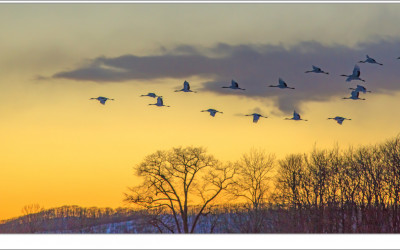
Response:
column 256, row 117
column 296, row 117
column 150, row 95
column 282, row 85
column 316, row 70
column 370, row 60
column 360, row 88
column 160, row 102
column 355, row 75
column 354, row 96
column 234, row 85
column 212, row 112
column 101, row 99
column 339, row 119
column 186, row 88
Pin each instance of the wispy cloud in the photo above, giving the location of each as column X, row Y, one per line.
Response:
column 255, row 67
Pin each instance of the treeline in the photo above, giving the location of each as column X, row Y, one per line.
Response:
column 67, row 219
column 349, row 191
column 354, row 190
column 185, row 190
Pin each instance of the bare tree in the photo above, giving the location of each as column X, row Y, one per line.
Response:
column 349, row 179
column 319, row 169
column 178, row 179
column 391, row 154
column 291, row 192
column 254, row 176
column 252, row 183
column 31, row 218
column 289, row 180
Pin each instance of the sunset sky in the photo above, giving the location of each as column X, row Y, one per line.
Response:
column 60, row 148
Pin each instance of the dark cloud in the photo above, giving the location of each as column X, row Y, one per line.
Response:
column 255, row 67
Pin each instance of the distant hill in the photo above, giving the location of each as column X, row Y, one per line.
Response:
column 75, row 219
column 69, row 219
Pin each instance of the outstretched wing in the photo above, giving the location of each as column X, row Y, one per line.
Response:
column 159, row 101
column 316, row 68
column 296, row 115
column 340, row 121
column 354, row 94
column 282, row 83
column 361, row 88
column 356, row 71
column 234, row 84
column 186, row 85
column 256, row 117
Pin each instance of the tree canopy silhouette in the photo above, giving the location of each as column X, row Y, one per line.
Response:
column 179, row 178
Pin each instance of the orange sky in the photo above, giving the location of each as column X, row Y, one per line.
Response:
column 60, row 148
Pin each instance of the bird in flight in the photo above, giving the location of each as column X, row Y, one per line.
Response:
column 316, row 70
column 282, row 85
column 296, row 117
column 339, row 119
column 256, row 117
column 150, row 95
column 355, row 75
column 370, row 60
column 160, row 102
column 186, row 88
column 212, row 112
column 102, row 99
column 360, row 88
column 354, row 96
column 234, row 85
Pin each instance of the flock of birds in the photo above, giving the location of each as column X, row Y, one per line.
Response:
column 355, row 93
